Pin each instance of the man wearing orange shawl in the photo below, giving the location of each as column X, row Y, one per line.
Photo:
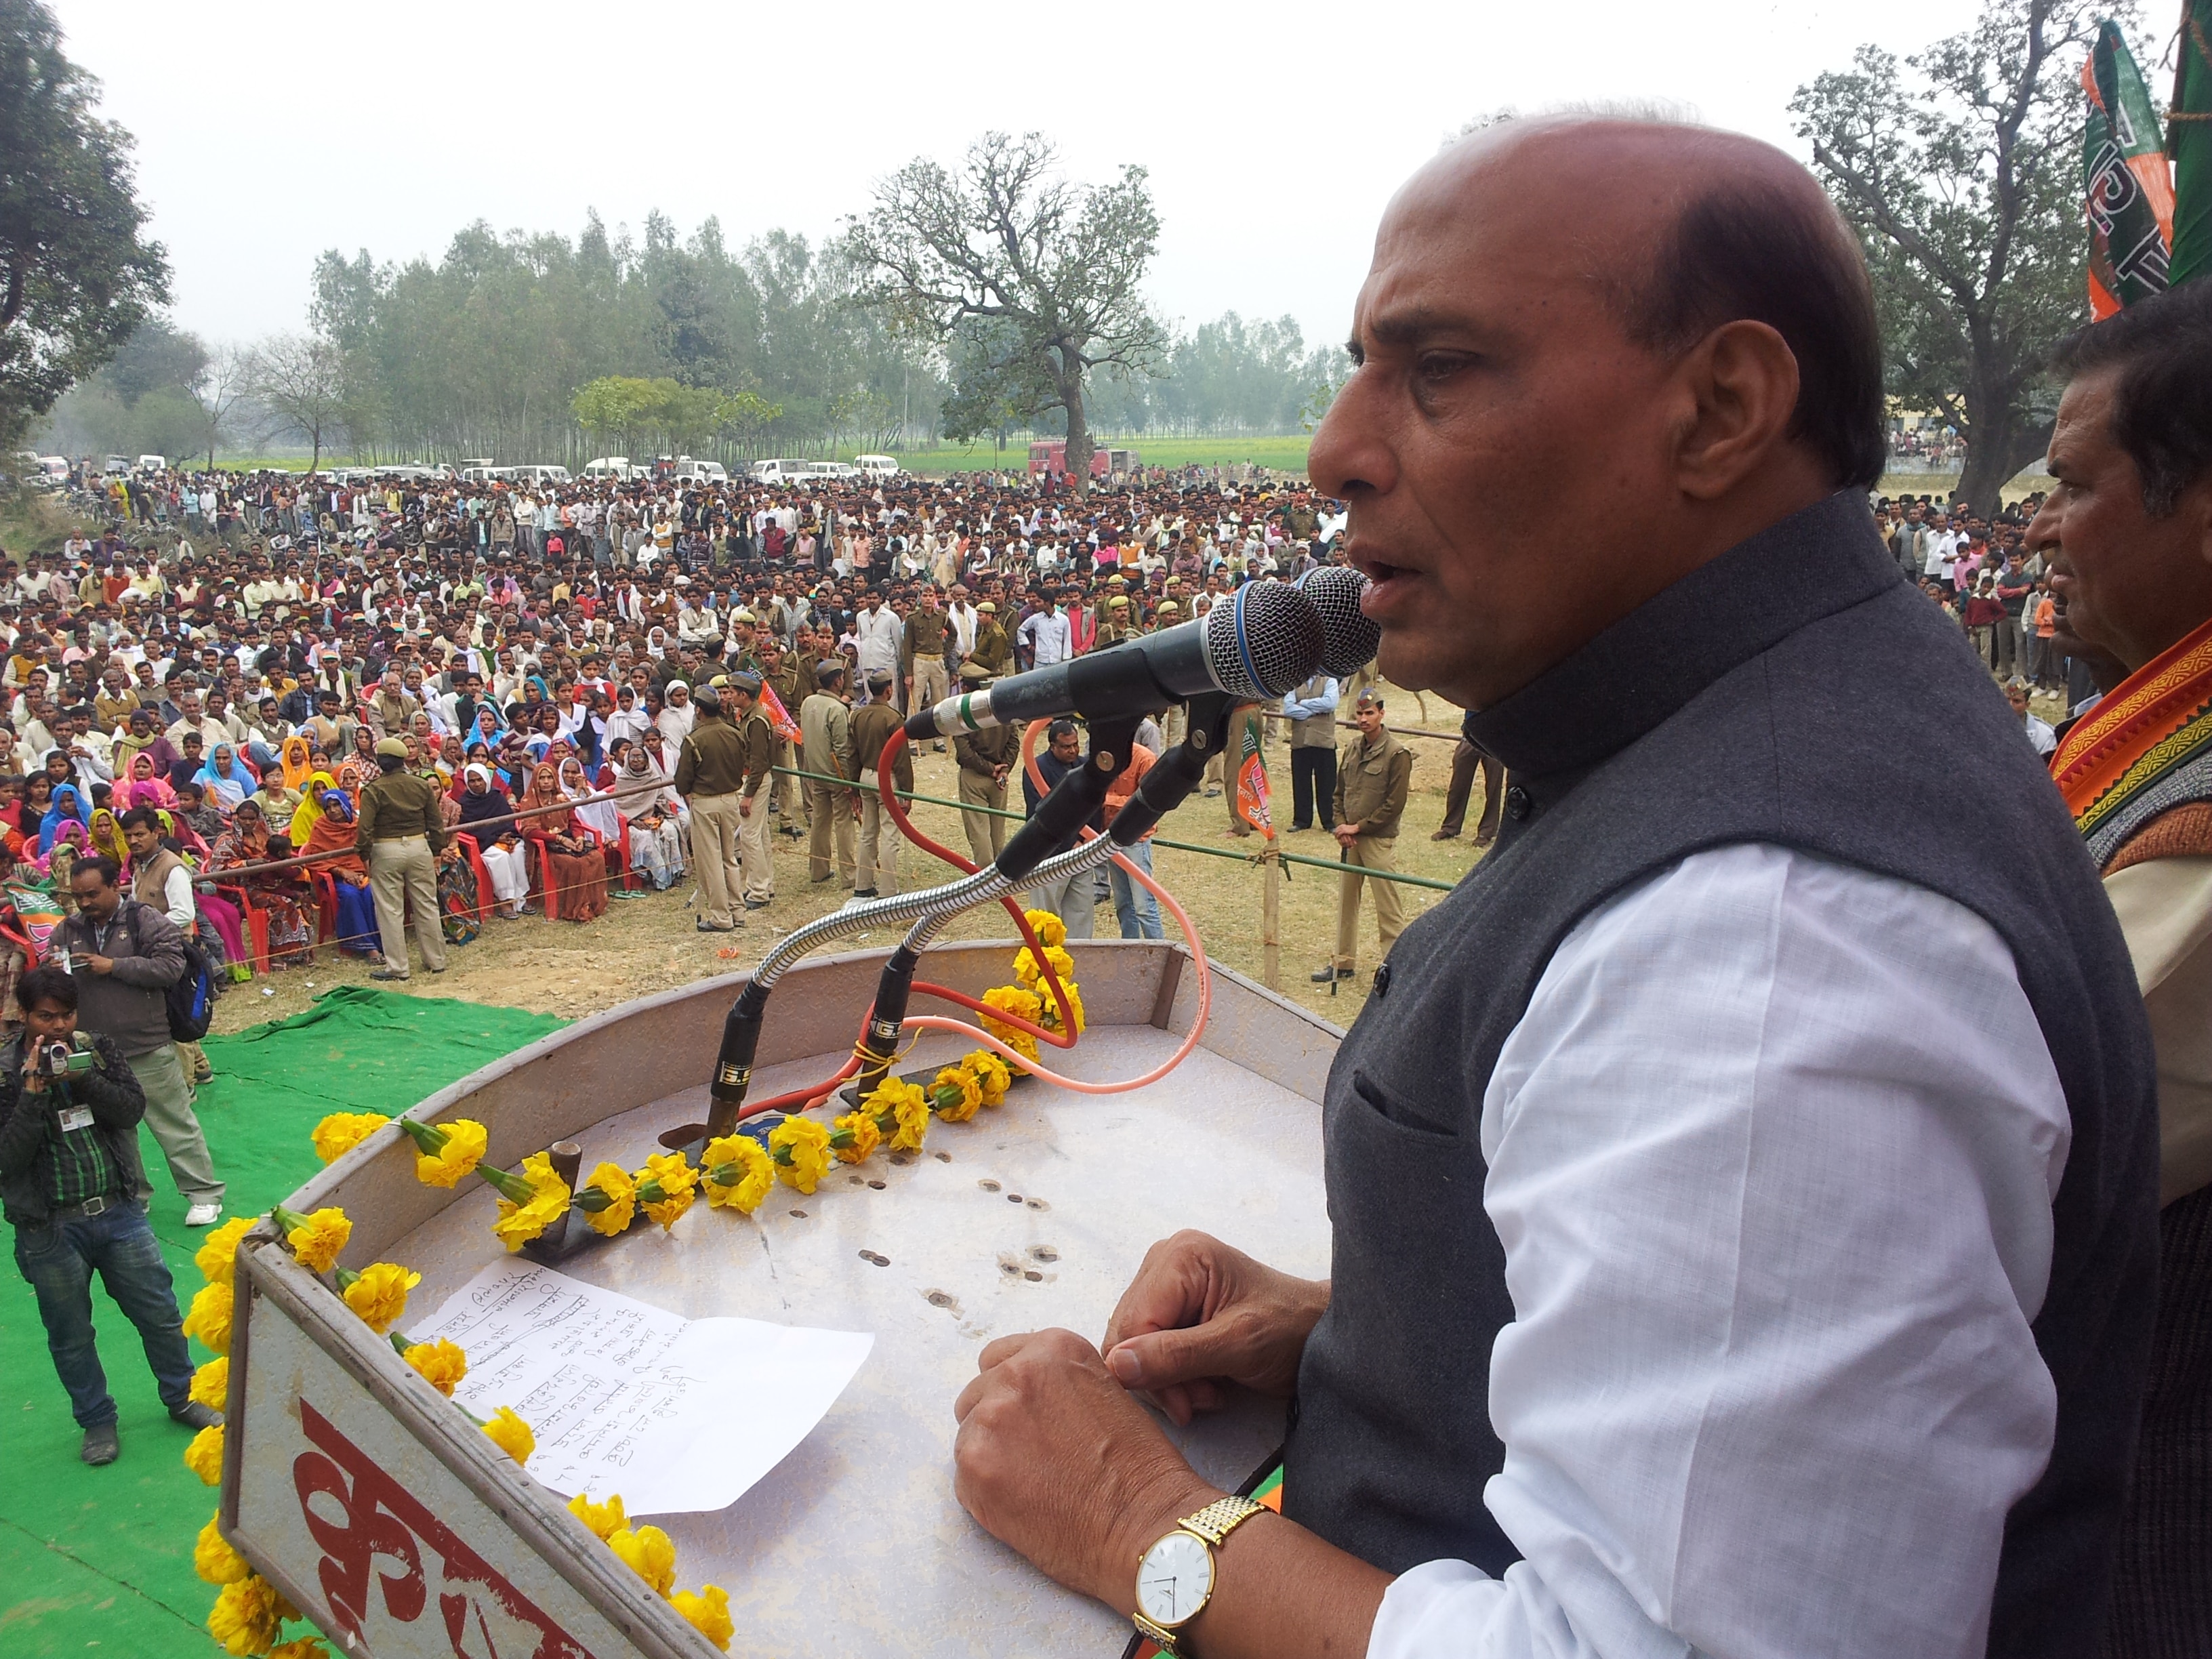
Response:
column 2128, row 533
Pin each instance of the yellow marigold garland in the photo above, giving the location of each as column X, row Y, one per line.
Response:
column 211, row 1382
column 511, row 1434
column 708, row 1612
column 341, row 1132
column 209, row 1317
column 203, row 1457
column 377, row 1293
column 316, row 1240
column 738, row 1172
column 647, row 1552
column 438, row 1363
column 215, row 1560
column 800, row 1147
column 665, row 1188
column 219, row 1251
column 247, row 1616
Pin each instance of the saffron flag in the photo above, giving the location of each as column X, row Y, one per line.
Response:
column 2123, row 172
column 778, row 716
column 2189, row 142
column 1252, row 798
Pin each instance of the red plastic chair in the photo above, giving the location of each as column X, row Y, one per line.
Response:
column 255, row 920
column 542, row 888
column 472, row 850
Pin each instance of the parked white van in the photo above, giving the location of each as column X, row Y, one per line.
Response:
column 877, row 467
column 614, row 468
column 781, row 472
column 153, row 463
column 542, row 475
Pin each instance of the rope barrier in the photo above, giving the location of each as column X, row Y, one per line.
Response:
column 1287, row 856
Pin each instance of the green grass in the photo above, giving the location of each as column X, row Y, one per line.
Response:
column 32, row 521
column 1283, row 453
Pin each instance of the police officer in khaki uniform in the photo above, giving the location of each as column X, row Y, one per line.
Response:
column 1116, row 627
column 986, row 757
column 825, row 750
column 399, row 833
column 710, row 772
column 922, row 655
column 741, row 704
column 872, row 726
column 780, row 673
column 993, row 648
column 1372, row 778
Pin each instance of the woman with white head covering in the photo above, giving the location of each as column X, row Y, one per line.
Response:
column 677, row 716
column 655, row 813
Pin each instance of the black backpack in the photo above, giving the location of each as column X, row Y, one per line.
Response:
column 190, row 997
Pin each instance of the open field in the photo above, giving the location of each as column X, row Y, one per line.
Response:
column 32, row 521
column 1283, row 453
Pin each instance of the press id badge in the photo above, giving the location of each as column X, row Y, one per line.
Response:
column 75, row 1118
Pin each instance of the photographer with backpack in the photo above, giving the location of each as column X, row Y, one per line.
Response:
column 126, row 956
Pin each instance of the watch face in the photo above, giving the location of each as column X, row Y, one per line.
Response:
column 1174, row 1578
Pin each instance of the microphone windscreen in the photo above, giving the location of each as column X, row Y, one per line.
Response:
column 1351, row 636
column 1264, row 640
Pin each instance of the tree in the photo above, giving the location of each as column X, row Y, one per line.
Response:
column 1049, row 268
column 1962, row 181
column 299, row 379
column 78, row 276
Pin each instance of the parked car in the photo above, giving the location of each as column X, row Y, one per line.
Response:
column 781, row 471
column 612, row 468
column 877, row 467
column 52, row 473
column 153, row 463
column 542, row 475
column 114, row 466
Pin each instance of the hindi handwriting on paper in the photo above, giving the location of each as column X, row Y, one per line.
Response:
column 626, row 1397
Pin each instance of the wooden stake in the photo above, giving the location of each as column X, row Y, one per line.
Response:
column 1271, row 916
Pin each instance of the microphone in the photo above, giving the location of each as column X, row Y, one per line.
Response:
column 1352, row 635
column 1261, row 642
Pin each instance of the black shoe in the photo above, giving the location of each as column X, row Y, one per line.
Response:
column 101, row 1445
column 195, row 1416
column 1323, row 975
column 866, row 893
column 757, row 904
column 1444, row 834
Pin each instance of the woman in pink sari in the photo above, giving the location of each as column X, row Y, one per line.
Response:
column 144, row 786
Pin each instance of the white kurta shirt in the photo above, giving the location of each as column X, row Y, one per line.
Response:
column 1772, row 1154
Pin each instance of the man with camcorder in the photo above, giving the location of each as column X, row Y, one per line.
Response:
column 70, row 1177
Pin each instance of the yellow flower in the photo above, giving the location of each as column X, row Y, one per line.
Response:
column 993, row 1075
column 215, row 1560
column 620, row 1202
column 754, row 1170
column 341, row 1132
column 211, row 1384
column 440, row 1364
column 215, row 1257
column 305, row 1647
column 678, row 1183
column 518, row 1223
column 247, row 1616
column 603, row 1519
column 317, row 1239
column 379, row 1295
column 1050, row 930
column 708, row 1613
column 1023, row 1005
column 959, row 1082
column 209, row 1317
column 203, row 1457
column 859, row 1137
column 1051, row 1008
column 902, row 1108
column 511, row 1434
column 648, row 1553
column 1027, row 971
column 463, row 1150
column 800, row 1147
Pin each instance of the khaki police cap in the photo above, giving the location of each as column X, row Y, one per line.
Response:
column 390, row 748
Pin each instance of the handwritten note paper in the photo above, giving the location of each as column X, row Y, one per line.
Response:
column 626, row 1398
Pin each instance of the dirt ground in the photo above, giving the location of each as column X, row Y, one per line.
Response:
column 650, row 944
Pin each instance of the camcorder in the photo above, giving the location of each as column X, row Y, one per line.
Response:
column 60, row 1058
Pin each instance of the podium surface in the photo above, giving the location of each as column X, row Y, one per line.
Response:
column 1031, row 1215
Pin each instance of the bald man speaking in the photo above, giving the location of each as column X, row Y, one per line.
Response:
column 1743, row 1185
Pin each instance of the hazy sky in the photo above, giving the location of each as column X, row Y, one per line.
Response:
column 1273, row 133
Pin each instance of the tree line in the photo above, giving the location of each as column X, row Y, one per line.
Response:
column 990, row 299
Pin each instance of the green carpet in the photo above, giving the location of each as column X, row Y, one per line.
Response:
column 101, row 1559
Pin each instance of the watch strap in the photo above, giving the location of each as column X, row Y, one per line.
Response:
column 1158, row 1634
column 1219, row 1518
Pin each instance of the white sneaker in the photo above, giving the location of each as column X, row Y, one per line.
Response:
column 203, row 1215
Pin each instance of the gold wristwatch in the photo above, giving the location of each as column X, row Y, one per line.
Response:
column 1175, row 1577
